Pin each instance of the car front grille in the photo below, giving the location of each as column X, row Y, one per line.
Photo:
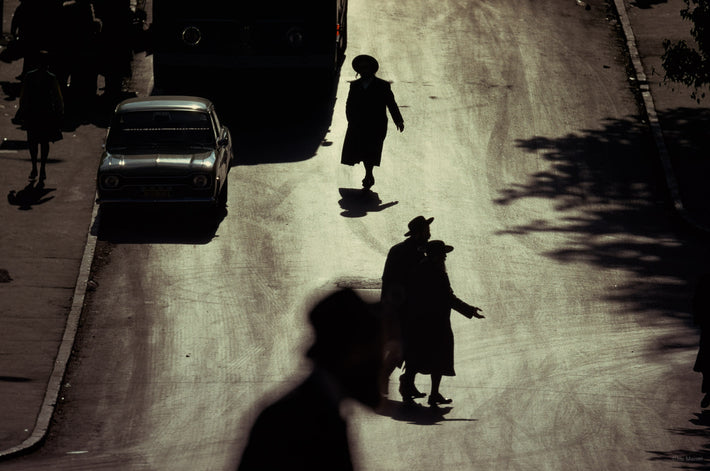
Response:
column 156, row 188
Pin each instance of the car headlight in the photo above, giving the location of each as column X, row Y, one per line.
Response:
column 295, row 37
column 191, row 35
column 200, row 181
column 110, row 181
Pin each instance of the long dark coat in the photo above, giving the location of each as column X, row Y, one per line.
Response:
column 401, row 263
column 41, row 106
column 402, row 260
column 428, row 338
column 366, row 111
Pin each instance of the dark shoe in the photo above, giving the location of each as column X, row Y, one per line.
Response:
column 409, row 391
column 436, row 399
column 42, row 175
column 368, row 182
column 33, row 174
column 706, row 401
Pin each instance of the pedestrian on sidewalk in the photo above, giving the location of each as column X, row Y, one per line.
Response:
column 366, row 110
column 402, row 261
column 430, row 348
column 35, row 28
column 79, row 57
column 40, row 112
column 701, row 316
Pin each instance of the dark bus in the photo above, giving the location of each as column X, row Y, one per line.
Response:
column 192, row 38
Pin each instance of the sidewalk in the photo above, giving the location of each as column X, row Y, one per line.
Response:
column 43, row 236
column 45, row 250
column 679, row 121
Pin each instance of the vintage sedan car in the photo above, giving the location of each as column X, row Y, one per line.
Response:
column 165, row 149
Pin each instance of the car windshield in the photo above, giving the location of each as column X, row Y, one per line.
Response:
column 173, row 131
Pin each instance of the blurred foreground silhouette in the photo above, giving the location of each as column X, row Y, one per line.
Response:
column 304, row 429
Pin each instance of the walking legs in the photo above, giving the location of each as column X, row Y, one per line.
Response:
column 435, row 398
column 41, row 148
column 369, row 179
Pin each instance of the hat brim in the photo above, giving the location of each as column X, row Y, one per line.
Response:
column 443, row 250
column 428, row 222
column 363, row 59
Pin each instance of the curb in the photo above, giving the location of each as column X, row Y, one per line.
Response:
column 652, row 116
column 65, row 349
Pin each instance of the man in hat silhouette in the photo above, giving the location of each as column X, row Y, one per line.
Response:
column 304, row 429
column 366, row 110
column 430, row 346
column 400, row 265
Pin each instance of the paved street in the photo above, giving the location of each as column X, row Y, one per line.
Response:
column 524, row 140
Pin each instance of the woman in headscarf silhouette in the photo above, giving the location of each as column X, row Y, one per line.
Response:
column 430, row 339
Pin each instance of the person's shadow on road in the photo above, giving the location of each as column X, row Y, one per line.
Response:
column 414, row 413
column 31, row 195
column 358, row 202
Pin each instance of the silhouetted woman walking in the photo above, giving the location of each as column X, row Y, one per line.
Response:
column 41, row 110
column 429, row 339
column 366, row 110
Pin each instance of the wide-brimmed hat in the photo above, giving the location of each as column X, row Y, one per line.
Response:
column 417, row 224
column 437, row 247
column 365, row 60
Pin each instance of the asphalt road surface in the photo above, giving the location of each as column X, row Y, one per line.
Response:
column 523, row 140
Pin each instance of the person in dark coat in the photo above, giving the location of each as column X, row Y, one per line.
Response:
column 430, row 346
column 116, row 40
column 402, row 260
column 701, row 316
column 35, row 27
column 80, row 55
column 41, row 110
column 366, row 110
column 304, row 429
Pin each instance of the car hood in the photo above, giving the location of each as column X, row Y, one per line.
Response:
column 159, row 163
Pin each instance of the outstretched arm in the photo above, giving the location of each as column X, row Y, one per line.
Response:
column 464, row 308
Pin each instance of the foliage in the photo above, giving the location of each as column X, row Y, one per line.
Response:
column 687, row 64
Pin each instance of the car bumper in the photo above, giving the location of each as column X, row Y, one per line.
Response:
column 210, row 201
column 154, row 197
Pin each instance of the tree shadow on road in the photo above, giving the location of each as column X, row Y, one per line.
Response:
column 690, row 459
column 686, row 131
column 613, row 212
column 608, row 193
